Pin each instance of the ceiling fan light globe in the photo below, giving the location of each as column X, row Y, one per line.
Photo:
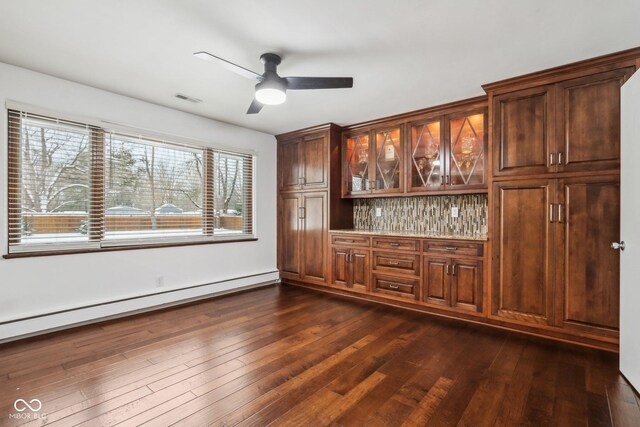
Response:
column 270, row 96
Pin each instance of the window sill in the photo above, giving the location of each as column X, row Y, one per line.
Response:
column 124, row 248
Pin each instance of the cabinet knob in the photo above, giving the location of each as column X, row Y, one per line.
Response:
column 618, row 245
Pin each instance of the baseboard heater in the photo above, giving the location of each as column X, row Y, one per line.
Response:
column 42, row 323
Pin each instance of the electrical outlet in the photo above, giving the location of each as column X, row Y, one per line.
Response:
column 454, row 212
column 378, row 211
column 160, row 281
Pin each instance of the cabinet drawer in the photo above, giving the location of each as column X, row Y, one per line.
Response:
column 398, row 286
column 396, row 244
column 397, row 263
column 453, row 248
column 338, row 239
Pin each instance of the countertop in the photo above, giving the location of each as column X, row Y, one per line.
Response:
column 414, row 234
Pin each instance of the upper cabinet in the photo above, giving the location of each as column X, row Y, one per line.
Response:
column 441, row 150
column 304, row 162
column 373, row 162
column 565, row 125
column 588, row 122
column 448, row 153
column 466, row 150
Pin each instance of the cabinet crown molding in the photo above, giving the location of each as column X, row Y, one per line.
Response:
column 306, row 131
column 625, row 58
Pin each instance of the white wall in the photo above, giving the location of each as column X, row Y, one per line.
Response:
column 37, row 285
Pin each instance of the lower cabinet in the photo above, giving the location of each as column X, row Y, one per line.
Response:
column 553, row 262
column 453, row 282
column 303, row 236
column 397, row 286
column 350, row 268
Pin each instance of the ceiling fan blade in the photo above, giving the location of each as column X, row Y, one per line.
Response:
column 319, row 82
column 255, row 107
column 229, row 66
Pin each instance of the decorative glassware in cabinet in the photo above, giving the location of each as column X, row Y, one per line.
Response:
column 426, row 156
column 467, row 160
column 388, row 159
column 358, row 163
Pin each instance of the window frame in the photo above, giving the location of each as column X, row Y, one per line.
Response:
column 96, row 239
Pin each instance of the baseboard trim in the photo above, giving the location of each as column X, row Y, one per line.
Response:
column 144, row 303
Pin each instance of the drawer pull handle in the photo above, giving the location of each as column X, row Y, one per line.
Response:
column 451, row 248
column 394, row 244
column 346, row 240
column 394, row 263
column 394, row 287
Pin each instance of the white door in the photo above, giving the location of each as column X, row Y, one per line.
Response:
column 630, row 232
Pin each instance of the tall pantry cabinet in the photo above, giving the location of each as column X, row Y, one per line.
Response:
column 555, row 199
column 308, row 192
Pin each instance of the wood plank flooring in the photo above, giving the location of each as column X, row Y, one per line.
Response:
column 294, row 357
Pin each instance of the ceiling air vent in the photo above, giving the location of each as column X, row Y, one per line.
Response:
column 187, row 98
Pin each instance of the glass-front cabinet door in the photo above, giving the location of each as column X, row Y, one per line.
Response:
column 356, row 164
column 389, row 161
column 466, row 153
column 426, row 157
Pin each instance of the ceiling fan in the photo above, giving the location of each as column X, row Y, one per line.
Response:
column 271, row 89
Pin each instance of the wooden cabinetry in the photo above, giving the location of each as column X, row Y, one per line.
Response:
column 553, row 263
column 444, row 149
column 453, row 281
column 588, row 220
column 523, row 251
column 350, row 267
column 448, row 152
column 572, row 125
column 303, row 235
column 373, row 161
column 303, row 163
column 308, row 202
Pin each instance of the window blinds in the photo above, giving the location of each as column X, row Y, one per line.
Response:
column 79, row 186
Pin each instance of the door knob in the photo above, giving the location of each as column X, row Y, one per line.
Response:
column 616, row 245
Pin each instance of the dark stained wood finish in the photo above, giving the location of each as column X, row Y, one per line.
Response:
column 588, row 122
column 396, row 263
column 466, row 284
column 289, row 233
column 587, row 288
column 313, row 163
column 340, row 273
column 351, row 240
column 360, row 266
column 398, row 286
column 287, row 356
column 437, row 285
column 523, row 251
column 314, row 236
column 289, row 159
column 396, row 244
column 523, row 132
column 350, row 268
column 453, row 248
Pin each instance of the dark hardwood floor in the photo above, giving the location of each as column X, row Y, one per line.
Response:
column 288, row 356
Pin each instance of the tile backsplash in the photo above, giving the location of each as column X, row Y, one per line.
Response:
column 423, row 214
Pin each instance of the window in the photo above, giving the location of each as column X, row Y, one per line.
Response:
column 75, row 186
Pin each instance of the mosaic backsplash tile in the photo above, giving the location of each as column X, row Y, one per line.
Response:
column 424, row 214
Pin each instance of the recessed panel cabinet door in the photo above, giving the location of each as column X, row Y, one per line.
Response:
column 288, row 163
column 437, row 288
column 588, row 122
column 523, row 132
column 466, row 285
column 360, row 267
column 340, row 266
column 314, row 235
column 523, row 251
column 588, row 290
column 313, row 161
column 290, row 213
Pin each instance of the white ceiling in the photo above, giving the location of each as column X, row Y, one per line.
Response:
column 403, row 54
